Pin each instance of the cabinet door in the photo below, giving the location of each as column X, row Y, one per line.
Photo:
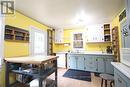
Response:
column 128, row 12
column 119, row 81
column 59, row 36
column 80, row 63
column 127, row 41
column 71, row 62
column 99, row 33
column 125, row 31
column 109, row 68
column 90, row 63
column 95, row 33
column 101, row 64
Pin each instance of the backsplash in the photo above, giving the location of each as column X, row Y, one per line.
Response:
column 88, row 47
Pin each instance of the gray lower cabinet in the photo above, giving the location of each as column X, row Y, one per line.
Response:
column 101, row 64
column 90, row 63
column 93, row 63
column 75, row 62
column 80, row 63
column 120, row 79
column 108, row 66
column 71, row 62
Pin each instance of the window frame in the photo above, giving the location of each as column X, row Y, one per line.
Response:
column 83, row 37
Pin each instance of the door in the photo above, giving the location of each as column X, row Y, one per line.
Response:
column 38, row 41
column 80, row 63
column 71, row 62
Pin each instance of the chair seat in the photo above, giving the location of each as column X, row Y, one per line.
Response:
column 107, row 77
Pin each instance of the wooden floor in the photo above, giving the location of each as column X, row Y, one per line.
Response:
column 68, row 82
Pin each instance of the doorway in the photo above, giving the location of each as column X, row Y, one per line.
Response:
column 38, row 41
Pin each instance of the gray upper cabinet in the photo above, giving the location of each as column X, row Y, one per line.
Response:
column 128, row 12
column 125, row 27
column 125, row 32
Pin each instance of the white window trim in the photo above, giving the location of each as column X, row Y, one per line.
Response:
column 31, row 44
column 83, row 41
column 2, row 41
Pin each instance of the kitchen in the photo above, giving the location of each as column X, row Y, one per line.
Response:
column 85, row 43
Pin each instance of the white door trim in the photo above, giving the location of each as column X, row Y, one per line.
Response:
column 32, row 29
column 2, row 40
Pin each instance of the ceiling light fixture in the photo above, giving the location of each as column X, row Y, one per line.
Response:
column 82, row 19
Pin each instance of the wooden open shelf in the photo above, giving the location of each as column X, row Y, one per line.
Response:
column 16, row 34
column 115, row 43
column 107, row 33
column 50, row 42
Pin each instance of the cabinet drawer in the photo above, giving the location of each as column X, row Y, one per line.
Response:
column 120, row 79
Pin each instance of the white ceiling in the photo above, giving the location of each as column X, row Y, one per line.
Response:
column 63, row 13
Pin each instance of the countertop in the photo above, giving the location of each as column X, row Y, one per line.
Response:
column 88, row 53
column 61, row 52
column 122, row 68
column 39, row 59
column 92, row 53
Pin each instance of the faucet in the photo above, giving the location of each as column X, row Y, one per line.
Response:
column 77, row 51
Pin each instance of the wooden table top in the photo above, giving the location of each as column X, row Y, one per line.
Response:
column 39, row 59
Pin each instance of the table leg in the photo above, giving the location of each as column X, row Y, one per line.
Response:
column 56, row 74
column 7, row 75
column 105, row 83
column 40, row 82
column 102, row 83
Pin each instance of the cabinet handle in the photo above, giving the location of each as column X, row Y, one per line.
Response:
column 119, row 80
column 129, row 26
column 96, row 69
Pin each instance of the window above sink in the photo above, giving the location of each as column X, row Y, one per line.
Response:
column 78, row 41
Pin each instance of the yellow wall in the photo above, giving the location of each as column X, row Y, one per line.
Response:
column 88, row 47
column 21, row 21
column 116, row 22
column 12, row 49
column 68, row 39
